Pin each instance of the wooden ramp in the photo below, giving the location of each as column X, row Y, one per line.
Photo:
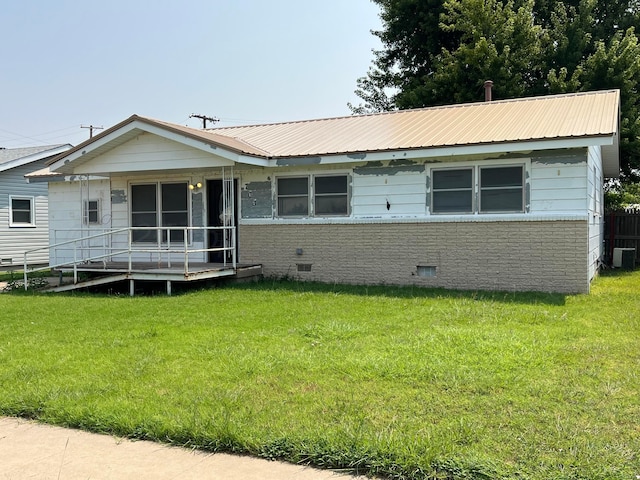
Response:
column 105, row 273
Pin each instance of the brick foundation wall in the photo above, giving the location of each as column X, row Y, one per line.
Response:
column 524, row 256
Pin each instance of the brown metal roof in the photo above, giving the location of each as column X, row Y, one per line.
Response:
column 569, row 116
column 551, row 117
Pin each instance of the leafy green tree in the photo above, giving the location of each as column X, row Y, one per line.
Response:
column 438, row 52
column 497, row 42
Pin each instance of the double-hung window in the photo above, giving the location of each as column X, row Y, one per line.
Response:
column 452, row 190
column 331, row 195
column 91, row 212
column 159, row 205
column 498, row 189
column 293, row 196
column 501, row 189
column 319, row 195
column 22, row 212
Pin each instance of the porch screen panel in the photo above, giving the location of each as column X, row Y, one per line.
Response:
column 175, row 210
column 144, row 212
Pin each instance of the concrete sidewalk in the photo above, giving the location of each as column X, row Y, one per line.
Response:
column 30, row 450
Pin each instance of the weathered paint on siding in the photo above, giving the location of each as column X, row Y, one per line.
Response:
column 256, row 198
column 395, row 191
column 559, row 184
column 14, row 241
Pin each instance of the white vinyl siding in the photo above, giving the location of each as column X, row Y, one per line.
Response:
column 14, row 241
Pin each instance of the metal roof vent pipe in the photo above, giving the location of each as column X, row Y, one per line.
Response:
column 488, row 85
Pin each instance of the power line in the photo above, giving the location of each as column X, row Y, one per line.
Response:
column 91, row 129
column 204, row 119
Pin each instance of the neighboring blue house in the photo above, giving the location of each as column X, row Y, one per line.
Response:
column 24, row 210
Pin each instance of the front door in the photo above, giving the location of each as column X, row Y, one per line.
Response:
column 216, row 217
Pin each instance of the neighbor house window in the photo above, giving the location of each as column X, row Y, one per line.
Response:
column 293, row 196
column 452, row 191
column 22, row 212
column 501, row 189
column 91, row 213
column 159, row 205
column 331, row 195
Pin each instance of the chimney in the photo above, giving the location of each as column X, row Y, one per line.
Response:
column 487, row 90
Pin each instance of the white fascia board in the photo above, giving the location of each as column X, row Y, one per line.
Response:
column 254, row 161
column 456, row 151
column 19, row 162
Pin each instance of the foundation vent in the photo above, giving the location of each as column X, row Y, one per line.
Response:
column 304, row 267
column 426, row 270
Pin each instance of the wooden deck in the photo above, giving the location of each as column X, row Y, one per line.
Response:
column 99, row 273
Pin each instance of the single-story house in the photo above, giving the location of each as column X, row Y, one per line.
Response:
column 24, row 221
column 501, row 195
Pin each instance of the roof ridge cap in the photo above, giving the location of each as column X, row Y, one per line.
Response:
column 419, row 109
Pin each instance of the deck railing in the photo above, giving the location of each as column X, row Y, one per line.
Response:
column 105, row 245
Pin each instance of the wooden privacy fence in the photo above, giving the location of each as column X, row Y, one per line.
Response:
column 621, row 230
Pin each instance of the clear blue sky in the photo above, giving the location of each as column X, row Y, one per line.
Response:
column 67, row 63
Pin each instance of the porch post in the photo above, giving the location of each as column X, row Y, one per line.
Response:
column 169, row 287
column 132, row 289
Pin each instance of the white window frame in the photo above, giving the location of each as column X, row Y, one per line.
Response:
column 311, row 195
column 315, row 194
column 86, row 210
column 481, row 188
column 476, row 186
column 32, row 211
column 279, row 195
column 471, row 191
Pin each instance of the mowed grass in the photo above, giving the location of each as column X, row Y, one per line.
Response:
column 398, row 382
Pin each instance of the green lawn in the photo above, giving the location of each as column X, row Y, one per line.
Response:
column 407, row 383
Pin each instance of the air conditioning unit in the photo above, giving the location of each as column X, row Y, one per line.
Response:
column 624, row 258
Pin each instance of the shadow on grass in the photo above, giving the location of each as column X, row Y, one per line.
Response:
column 277, row 284
column 395, row 291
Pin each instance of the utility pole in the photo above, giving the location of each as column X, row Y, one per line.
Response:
column 204, row 119
column 91, row 129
